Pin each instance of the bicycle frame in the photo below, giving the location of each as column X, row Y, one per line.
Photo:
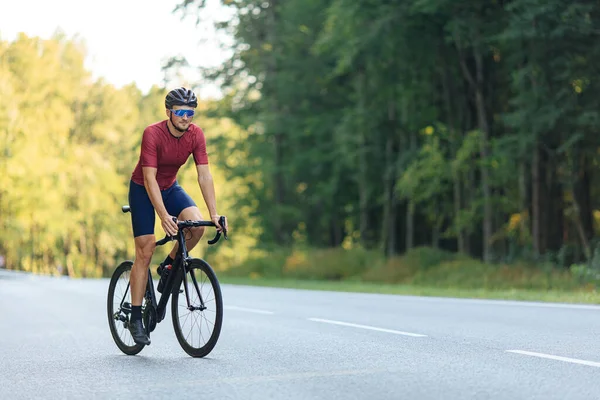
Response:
column 179, row 267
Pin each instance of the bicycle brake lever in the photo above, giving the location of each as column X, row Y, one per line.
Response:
column 215, row 239
column 223, row 224
column 218, row 235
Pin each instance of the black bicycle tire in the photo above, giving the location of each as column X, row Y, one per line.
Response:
column 129, row 350
column 197, row 263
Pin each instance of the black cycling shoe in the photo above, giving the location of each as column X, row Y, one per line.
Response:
column 138, row 332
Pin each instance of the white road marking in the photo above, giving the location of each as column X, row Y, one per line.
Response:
column 328, row 321
column 252, row 310
column 559, row 358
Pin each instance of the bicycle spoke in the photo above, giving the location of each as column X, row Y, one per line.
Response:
column 119, row 296
column 205, row 306
column 204, row 310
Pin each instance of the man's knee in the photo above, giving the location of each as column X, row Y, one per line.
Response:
column 198, row 232
column 144, row 248
column 193, row 213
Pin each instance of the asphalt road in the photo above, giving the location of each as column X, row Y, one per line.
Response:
column 296, row 344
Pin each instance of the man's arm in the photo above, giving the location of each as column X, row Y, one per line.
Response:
column 153, row 190
column 207, row 188
column 205, row 179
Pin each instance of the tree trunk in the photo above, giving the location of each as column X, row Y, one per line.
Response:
column 554, row 207
column 536, row 200
column 388, row 226
column 410, row 225
column 581, row 202
column 281, row 235
column 484, row 153
column 363, row 184
column 392, row 235
column 457, row 208
column 477, row 85
column 581, row 230
column 583, row 197
column 410, row 210
column 336, row 228
column 523, row 198
column 471, row 197
column 456, row 140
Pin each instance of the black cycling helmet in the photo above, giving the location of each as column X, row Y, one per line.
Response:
column 181, row 97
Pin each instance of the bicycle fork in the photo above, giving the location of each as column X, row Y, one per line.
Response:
column 187, row 293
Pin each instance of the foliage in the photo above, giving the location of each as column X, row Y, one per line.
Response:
column 393, row 125
column 68, row 147
column 369, row 126
column 422, row 267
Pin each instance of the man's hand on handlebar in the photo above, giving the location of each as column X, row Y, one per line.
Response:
column 216, row 220
column 169, row 225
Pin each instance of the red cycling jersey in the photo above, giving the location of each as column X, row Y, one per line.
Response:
column 167, row 153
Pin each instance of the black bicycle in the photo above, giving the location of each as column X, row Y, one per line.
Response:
column 189, row 303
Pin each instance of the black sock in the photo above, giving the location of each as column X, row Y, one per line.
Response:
column 168, row 260
column 136, row 313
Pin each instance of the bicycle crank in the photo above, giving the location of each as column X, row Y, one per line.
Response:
column 149, row 318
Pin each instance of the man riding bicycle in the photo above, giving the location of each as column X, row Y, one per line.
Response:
column 166, row 146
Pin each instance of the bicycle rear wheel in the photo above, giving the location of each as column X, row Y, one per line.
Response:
column 119, row 309
column 198, row 326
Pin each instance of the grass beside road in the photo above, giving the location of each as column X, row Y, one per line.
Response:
column 585, row 297
column 421, row 272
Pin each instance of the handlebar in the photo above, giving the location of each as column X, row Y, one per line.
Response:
column 190, row 224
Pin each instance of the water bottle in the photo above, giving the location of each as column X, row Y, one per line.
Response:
column 164, row 274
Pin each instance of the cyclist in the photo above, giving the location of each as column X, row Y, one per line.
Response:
column 165, row 147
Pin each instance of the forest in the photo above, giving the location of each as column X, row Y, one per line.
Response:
column 468, row 126
column 373, row 127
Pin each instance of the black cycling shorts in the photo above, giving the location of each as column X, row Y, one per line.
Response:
column 142, row 210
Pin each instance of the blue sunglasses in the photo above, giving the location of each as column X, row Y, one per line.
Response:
column 181, row 113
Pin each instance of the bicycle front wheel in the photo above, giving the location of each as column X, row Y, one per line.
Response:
column 197, row 325
column 119, row 309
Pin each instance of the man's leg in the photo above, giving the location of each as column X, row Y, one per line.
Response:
column 142, row 220
column 144, row 248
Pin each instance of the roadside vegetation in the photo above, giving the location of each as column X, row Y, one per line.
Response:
column 421, row 271
column 424, row 146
